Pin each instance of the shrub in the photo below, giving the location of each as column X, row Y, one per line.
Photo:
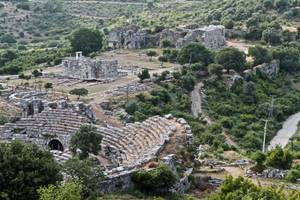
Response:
column 279, row 158
column 79, row 92
column 23, row 6
column 154, row 180
column 144, row 75
column 8, row 39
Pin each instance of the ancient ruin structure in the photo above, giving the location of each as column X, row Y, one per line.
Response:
column 125, row 150
column 132, row 38
column 50, row 129
column 270, row 69
column 85, row 68
column 212, row 37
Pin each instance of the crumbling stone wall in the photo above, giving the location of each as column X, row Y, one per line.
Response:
column 212, row 37
column 85, row 68
column 132, row 38
column 268, row 69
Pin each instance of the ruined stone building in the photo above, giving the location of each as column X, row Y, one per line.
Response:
column 212, row 37
column 85, row 68
column 132, row 38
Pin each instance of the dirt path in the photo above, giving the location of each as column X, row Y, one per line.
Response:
column 110, row 120
column 196, row 100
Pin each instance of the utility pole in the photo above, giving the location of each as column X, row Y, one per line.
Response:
column 266, row 124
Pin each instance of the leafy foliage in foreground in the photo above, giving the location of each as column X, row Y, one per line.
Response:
column 243, row 189
column 67, row 191
column 160, row 179
column 24, row 169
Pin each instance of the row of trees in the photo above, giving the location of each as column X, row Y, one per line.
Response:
column 232, row 58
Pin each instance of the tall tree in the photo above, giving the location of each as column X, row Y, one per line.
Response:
column 86, row 40
column 289, row 58
column 87, row 140
column 280, row 158
column 24, row 169
column 260, row 54
column 195, row 53
column 231, row 58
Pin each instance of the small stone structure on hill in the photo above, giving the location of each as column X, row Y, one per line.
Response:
column 212, row 37
column 85, row 68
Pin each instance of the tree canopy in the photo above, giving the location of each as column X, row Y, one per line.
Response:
column 280, row 158
column 70, row 190
column 231, row 58
column 24, row 169
column 260, row 54
column 194, row 53
column 86, row 40
column 86, row 172
column 87, row 140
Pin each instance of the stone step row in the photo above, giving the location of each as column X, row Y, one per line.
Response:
column 135, row 141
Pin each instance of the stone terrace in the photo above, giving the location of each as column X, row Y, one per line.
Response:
column 41, row 128
column 136, row 143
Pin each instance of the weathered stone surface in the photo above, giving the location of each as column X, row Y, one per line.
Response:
column 170, row 161
column 170, row 35
column 268, row 69
column 183, row 184
column 43, row 127
column 212, row 37
column 81, row 67
column 132, row 38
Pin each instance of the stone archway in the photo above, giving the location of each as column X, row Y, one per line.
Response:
column 55, row 144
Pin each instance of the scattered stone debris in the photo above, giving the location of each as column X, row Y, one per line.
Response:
column 268, row 173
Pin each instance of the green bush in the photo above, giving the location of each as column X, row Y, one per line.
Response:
column 23, row 6
column 20, row 165
column 279, row 158
column 10, row 39
column 194, row 53
column 159, row 179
